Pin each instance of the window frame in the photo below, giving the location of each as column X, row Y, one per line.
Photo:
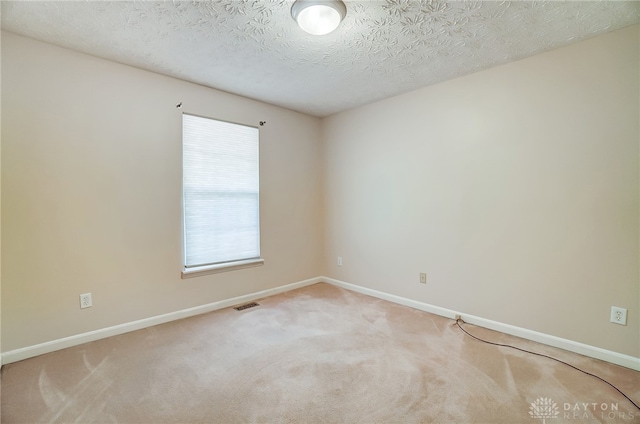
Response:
column 189, row 271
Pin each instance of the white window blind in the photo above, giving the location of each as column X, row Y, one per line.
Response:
column 220, row 191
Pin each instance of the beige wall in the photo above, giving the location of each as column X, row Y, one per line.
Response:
column 91, row 192
column 0, row 198
column 515, row 189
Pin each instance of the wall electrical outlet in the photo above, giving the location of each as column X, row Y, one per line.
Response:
column 339, row 260
column 423, row 277
column 618, row 315
column 85, row 300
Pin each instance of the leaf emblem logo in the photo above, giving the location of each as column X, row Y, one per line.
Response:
column 544, row 408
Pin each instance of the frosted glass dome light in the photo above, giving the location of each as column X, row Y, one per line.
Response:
column 318, row 17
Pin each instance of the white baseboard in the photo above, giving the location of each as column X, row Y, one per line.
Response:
column 572, row 346
column 51, row 346
column 576, row 347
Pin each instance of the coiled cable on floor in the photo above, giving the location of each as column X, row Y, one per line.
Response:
column 459, row 320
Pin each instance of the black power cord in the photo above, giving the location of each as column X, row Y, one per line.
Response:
column 459, row 320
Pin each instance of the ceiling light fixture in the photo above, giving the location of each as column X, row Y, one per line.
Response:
column 318, row 17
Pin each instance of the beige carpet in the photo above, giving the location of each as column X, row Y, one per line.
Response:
column 319, row 354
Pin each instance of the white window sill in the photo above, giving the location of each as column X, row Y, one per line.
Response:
column 213, row 269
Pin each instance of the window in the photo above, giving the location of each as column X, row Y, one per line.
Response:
column 221, row 195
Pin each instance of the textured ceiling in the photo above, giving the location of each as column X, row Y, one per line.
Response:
column 255, row 49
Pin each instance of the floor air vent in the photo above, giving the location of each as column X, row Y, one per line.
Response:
column 247, row 306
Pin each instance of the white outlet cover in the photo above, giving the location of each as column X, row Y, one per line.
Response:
column 85, row 300
column 618, row 315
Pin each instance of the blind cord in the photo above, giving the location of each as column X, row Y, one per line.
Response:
column 459, row 320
